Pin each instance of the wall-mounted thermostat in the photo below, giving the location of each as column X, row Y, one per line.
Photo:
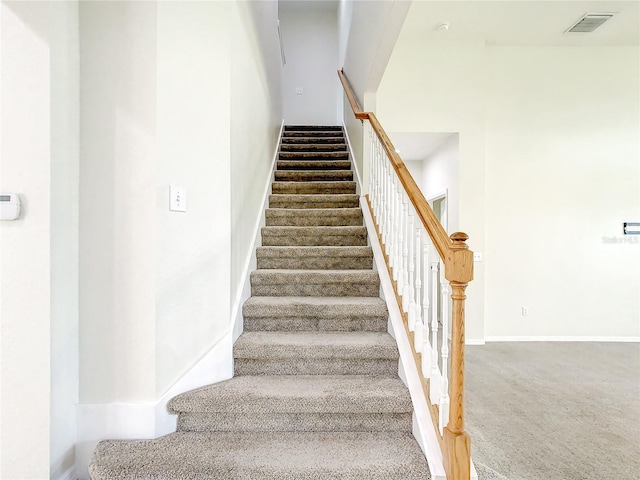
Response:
column 9, row 206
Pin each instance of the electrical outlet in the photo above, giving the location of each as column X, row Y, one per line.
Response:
column 299, row 91
column 477, row 256
column 525, row 311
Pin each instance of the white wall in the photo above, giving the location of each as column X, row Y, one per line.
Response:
column 256, row 116
column 548, row 167
column 311, row 49
column 39, row 275
column 192, row 262
column 563, row 174
column 117, row 201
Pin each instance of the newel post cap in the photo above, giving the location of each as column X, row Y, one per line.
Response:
column 459, row 261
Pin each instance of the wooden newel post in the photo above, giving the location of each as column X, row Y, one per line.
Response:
column 459, row 272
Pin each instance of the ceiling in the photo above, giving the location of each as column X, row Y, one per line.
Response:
column 416, row 146
column 308, row 6
column 523, row 22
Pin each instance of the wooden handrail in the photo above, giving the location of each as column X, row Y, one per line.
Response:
column 439, row 237
column 353, row 101
column 458, row 261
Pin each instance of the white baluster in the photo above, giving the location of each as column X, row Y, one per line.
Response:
column 426, row 345
column 379, row 185
column 371, row 166
column 415, row 295
column 378, row 193
column 373, row 194
column 435, row 381
column 408, row 236
column 402, row 274
column 444, row 393
column 387, row 205
column 397, row 212
column 410, row 286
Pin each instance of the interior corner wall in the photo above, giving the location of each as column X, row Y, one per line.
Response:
column 117, row 201
column 311, row 51
column 368, row 32
column 440, row 173
column 65, row 158
column 256, row 116
column 191, row 266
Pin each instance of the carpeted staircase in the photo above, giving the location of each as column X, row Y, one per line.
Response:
column 316, row 393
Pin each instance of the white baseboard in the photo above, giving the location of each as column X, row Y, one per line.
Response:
column 562, row 339
column 423, row 429
column 68, row 475
column 243, row 289
column 353, row 161
column 474, row 341
column 98, row 422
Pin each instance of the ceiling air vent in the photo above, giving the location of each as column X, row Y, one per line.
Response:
column 589, row 22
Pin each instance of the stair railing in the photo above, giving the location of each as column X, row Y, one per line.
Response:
column 430, row 272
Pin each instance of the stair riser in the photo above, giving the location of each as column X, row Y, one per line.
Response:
column 313, row 201
column 306, row 262
column 313, row 175
column 313, row 140
column 314, row 128
column 293, row 324
column 308, row 218
column 311, row 134
column 315, row 366
column 295, row 422
column 313, row 156
column 315, row 240
column 342, row 289
column 313, row 188
column 276, row 239
column 314, row 165
column 313, row 147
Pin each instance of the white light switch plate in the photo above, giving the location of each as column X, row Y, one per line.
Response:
column 177, row 199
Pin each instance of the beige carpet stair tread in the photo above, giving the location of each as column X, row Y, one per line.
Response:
column 286, row 251
column 346, row 200
column 315, row 257
column 262, row 456
column 345, row 345
column 314, row 236
column 315, row 314
column 298, row 394
column 297, row 306
column 314, row 188
column 314, row 283
column 313, row 217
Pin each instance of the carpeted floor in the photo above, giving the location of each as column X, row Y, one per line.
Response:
column 555, row 411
